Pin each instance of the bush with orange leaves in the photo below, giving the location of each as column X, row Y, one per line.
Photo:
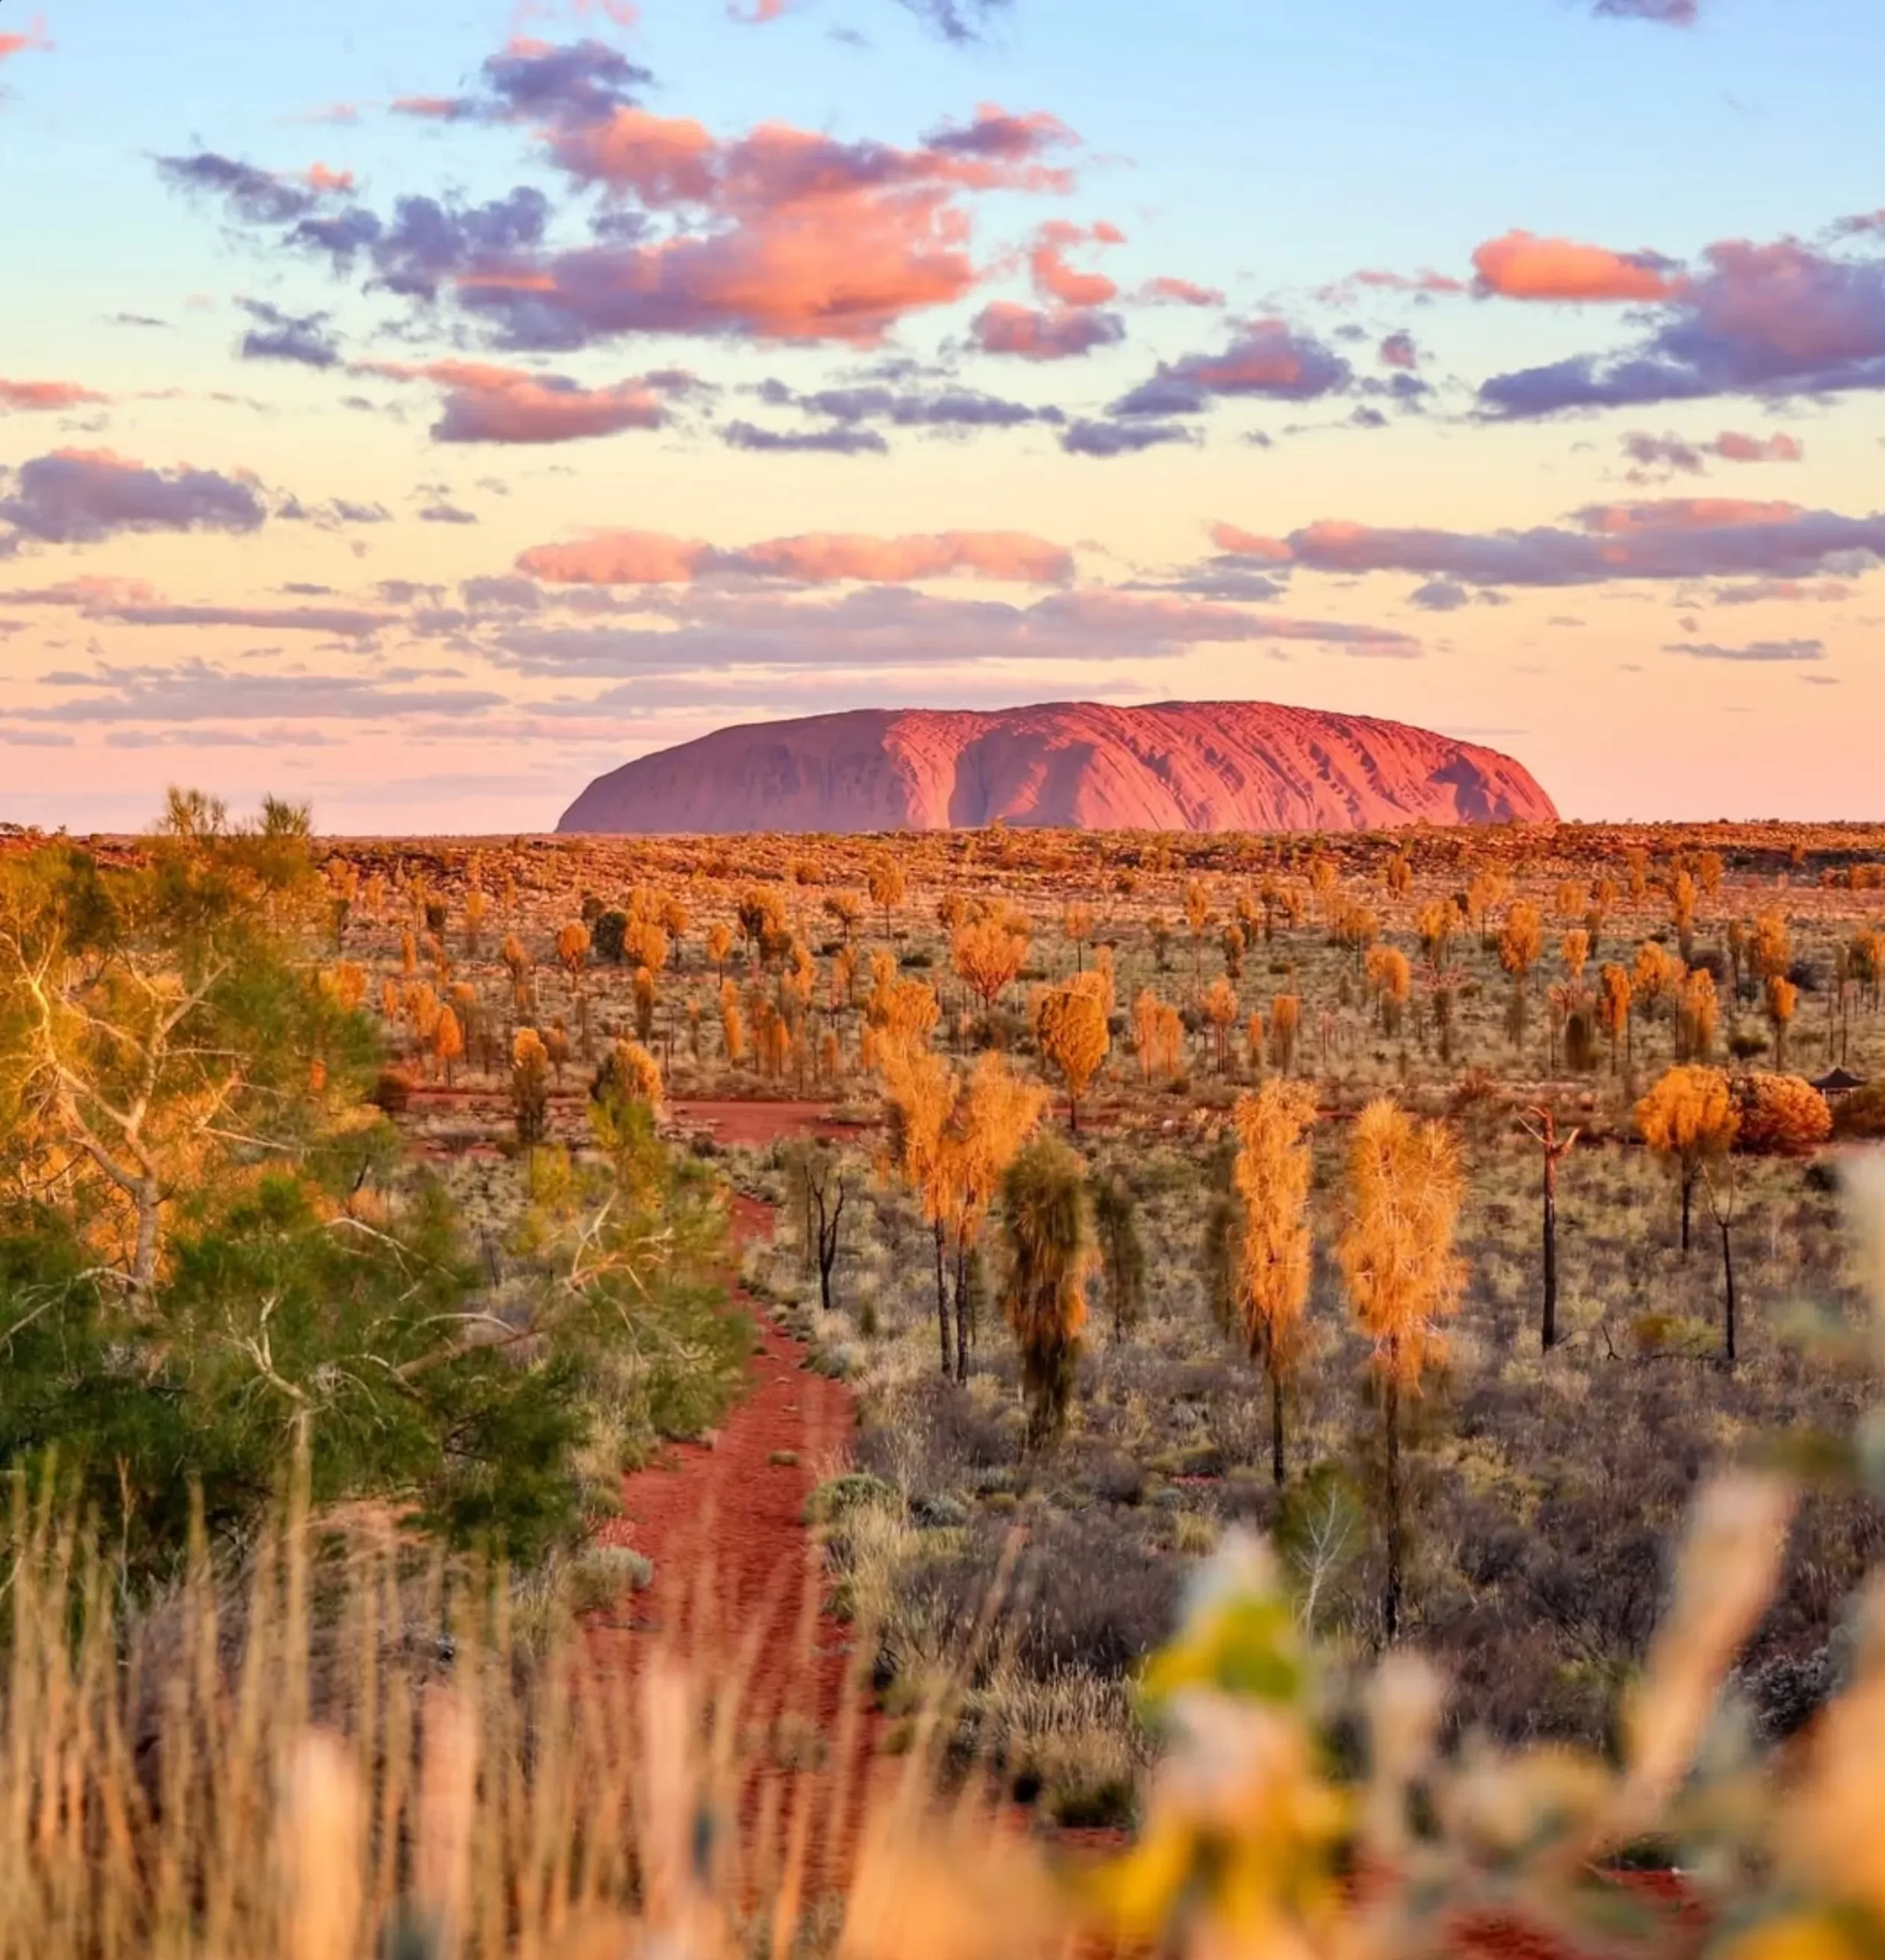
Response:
column 1780, row 1115
column 1689, row 1118
column 1070, row 1030
column 987, row 954
column 629, row 1073
column 1157, row 1036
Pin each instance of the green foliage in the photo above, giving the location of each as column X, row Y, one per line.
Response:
column 1049, row 1225
column 838, row 1496
column 642, row 1234
column 608, row 935
column 212, row 1257
column 283, row 1316
column 1121, row 1250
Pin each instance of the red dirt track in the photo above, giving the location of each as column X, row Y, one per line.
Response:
column 737, row 1580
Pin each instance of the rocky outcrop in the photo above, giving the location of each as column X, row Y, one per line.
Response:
column 1191, row 765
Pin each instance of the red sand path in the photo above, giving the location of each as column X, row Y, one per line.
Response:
column 737, row 1574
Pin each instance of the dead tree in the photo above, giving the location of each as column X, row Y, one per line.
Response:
column 1552, row 1147
column 1722, row 1204
column 824, row 1187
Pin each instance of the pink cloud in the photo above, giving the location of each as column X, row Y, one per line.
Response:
column 320, row 178
column 44, row 395
column 1758, row 591
column 1055, row 279
column 783, row 233
column 822, row 558
column 665, row 160
column 1167, row 291
column 1523, row 265
column 1004, row 327
column 486, row 404
column 618, row 557
column 88, row 589
column 35, row 37
column 1372, row 279
column 644, row 557
column 1684, row 514
column 1733, row 447
column 1250, row 544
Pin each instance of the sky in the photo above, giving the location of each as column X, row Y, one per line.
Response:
column 419, row 410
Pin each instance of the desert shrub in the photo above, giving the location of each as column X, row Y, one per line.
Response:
column 837, row 1496
column 609, row 935
column 1089, row 1594
column 392, row 1092
column 600, row 1575
column 1860, row 1115
column 1111, row 1475
column 1784, row 1114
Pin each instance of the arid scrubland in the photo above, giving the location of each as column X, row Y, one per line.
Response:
column 1634, row 1011
column 1450, row 1210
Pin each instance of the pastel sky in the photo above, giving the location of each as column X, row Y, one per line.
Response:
column 420, row 409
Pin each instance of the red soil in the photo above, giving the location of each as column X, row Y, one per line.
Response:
column 738, row 1581
column 759, row 1124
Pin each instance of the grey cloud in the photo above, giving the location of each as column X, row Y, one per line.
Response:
column 1678, row 538
column 347, row 622
column 1119, row 439
column 303, row 339
column 72, row 497
column 891, row 626
column 197, row 690
column 844, row 441
column 1440, row 595
column 1757, row 650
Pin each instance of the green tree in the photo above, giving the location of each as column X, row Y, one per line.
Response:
column 1050, row 1256
column 1122, row 1251
column 157, row 1028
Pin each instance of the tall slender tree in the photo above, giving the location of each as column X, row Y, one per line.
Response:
column 1050, row 1256
column 1122, row 1251
column 1404, row 1279
column 1271, row 1179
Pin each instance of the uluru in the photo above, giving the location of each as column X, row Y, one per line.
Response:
column 1178, row 765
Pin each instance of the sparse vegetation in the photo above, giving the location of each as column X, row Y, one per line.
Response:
column 1199, row 1290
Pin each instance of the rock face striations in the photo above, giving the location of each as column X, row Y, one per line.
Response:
column 1191, row 766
